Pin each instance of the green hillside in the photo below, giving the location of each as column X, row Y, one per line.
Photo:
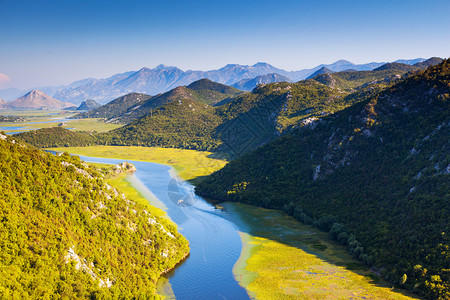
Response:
column 206, row 84
column 183, row 123
column 429, row 62
column 203, row 91
column 376, row 175
column 66, row 234
column 256, row 118
column 351, row 80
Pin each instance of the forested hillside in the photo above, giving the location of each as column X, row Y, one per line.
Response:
column 67, row 234
column 183, row 123
column 376, row 175
column 58, row 137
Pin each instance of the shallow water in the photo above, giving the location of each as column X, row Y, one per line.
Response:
column 214, row 241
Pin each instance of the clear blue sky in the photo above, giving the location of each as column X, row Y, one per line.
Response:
column 54, row 42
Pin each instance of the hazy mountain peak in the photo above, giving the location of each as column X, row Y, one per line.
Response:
column 323, row 70
column 251, row 83
column 342, row 62
column 34, row 93
column 161, row 66
column 88, row 105
column 262, row 64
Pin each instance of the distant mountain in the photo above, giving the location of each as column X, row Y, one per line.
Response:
column 250, row 84
column 88, row 105
column 410, row 61
column 101, row 90
column 429, row 62
column 37, row 100
column 116, row 107
column 323, row 70
column 350, row 80
column 396, row 66
column 206, row 84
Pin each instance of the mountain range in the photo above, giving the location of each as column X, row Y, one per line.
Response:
column 163, row 78
column 207, row 115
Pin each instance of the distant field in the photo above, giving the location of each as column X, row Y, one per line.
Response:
column 190, row 164
column 285, row 259
column 45, row 119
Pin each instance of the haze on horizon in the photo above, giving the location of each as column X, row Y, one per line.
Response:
column 57, row 42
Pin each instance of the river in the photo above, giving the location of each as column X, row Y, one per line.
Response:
column 214, row 241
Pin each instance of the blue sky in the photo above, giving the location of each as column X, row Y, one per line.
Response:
column 55, row 42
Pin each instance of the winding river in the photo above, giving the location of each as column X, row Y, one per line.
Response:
column 214, row 241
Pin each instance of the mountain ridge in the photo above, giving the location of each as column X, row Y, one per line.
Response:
column 167, row 77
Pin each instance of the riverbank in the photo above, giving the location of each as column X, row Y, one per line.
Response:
column 135, row 191
column 284, row 259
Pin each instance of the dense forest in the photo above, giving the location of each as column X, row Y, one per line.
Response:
column 67, row 234
column 375, row 175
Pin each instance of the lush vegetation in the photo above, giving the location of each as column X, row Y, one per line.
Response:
column 65, row 233
column 374, row 175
